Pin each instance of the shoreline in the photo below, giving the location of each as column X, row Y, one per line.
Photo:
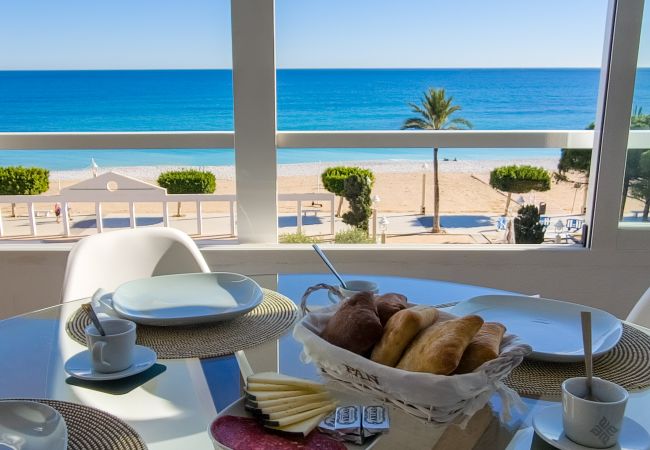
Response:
column 316, row 168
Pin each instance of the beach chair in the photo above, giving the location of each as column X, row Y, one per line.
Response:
column 109, row 259
column 546, row 221
column 640, row 314
column 502, row 223
column 574, row 224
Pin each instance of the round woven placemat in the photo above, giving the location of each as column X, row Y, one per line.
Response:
column 92, row 429
column 627, row 364
column 268, row 321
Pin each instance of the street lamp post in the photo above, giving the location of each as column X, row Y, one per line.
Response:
column 375, row 205
column 425, row 167
column 383, row 226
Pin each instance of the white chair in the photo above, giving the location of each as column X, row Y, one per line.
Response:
column 640, row 314
column 109, row 259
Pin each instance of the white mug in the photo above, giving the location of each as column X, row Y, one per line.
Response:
column 353, row 287
column 113, row 352
column 595, row 424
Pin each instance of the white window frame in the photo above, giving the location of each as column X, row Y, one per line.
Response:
column 255, row 138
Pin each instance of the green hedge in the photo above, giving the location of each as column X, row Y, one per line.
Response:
column 520, row 179
column 24, row 180
column 353, row 236
column 298, row 238
column 333, row 178
column 188, row 182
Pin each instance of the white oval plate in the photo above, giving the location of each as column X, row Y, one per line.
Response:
column 186, row 299
column 551, row 327
column 31, row 426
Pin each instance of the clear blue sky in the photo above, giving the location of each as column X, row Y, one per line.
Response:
column 138, row 34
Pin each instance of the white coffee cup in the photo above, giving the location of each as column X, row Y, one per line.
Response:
column 353, row 287
column 595, row 424
column 113, row 352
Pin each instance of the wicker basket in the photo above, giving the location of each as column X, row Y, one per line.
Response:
column 434, row 398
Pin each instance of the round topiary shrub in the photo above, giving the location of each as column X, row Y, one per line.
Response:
column 18, row 180
column 519, row 180
column 187, row 182
column 333, row 179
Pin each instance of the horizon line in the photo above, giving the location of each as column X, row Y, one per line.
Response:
column 308, row 68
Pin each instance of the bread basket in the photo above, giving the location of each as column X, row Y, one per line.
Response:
column 433, row 398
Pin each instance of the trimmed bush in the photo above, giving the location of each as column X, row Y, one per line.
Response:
column 353, row 236
column 528, row 229
column 298, row 238
column 187, row 182
column 520, row 179
column 333, row 178
column 357, row 193
column 18, row 180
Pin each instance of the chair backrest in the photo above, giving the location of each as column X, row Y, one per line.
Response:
column 640, row 314
column 109, row 259
column 545, row 221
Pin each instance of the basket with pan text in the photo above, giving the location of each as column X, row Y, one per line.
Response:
column 430, row 363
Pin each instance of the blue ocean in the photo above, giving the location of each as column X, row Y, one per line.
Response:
column 328, row 99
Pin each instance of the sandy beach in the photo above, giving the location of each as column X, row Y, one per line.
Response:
column 464, row 186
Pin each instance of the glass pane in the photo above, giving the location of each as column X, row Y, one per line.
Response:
column 635, row 203
column 113, row 179
column 357, row 65
column 472, row 211
column 75, row 65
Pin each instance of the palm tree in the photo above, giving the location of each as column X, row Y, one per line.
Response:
column 435, row 111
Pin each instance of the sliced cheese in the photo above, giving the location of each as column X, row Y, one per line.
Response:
column 305, row 427
column 273, row 415
column 299, row 399
column 259, row 387
column 300, row 417
column 285, row 380
column 267, row 395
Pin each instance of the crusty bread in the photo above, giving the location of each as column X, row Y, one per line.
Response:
column 389, row 304
column 439, row 348
column 355, row 326
column 484, row 347
column 399, row 331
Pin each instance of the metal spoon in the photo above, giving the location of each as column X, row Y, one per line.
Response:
column 91, row 312
column 585, row 317
column 329, row 264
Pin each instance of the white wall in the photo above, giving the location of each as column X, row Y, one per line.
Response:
column 31, row 279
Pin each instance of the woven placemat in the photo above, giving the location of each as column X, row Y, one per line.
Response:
column 627, row 364
column 275, row 315
column 92, row 429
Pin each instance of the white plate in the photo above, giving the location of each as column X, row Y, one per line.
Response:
column 79, row 365
column 551, row 327
column 186, row 299
column 29, row 425
column 237, row 409
column 548, row 425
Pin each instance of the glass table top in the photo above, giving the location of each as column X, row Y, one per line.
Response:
column 174, row 408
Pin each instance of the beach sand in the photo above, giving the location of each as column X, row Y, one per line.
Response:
column 464, row 187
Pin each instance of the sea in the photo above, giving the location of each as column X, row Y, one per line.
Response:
column 307, row 99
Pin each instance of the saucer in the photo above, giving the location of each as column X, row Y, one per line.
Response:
column 548, row 425
column 79, row 365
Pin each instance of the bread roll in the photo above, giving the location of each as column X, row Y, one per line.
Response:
column 484, row 347
column 439, row 348
column 389, row 304
column 355, row 326
column 400, row 330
